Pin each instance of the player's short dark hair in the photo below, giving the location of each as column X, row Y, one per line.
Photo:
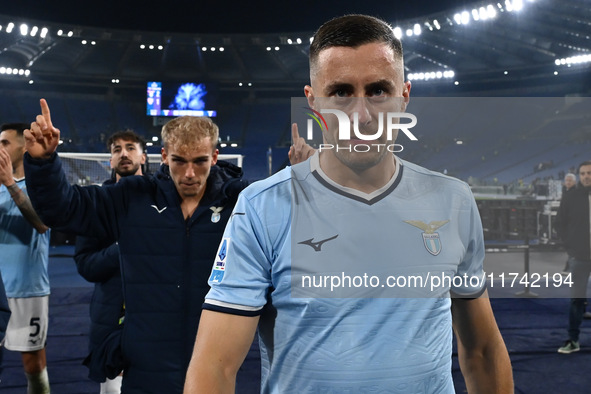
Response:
column 126, row 135
column 585, row 163
column 18, row 127
column 353, row 31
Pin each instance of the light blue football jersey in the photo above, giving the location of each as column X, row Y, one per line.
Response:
column 364, row 337
column 24, row 252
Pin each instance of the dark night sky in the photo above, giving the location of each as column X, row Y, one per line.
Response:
column 219, row 16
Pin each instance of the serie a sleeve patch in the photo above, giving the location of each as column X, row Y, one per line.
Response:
column 219, row 266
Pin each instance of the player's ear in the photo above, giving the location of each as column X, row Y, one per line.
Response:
column 309, row 92
column 164, row 156
column 214, row 157
column 406, row 94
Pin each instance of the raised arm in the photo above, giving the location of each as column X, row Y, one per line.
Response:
column 483, row 357
column 19, row 197
column 90, row 210
column 223, row 341
column 299, row 150
column 43, row 138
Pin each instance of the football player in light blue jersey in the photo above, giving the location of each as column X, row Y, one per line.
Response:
column 24, row 241
column 312, row 256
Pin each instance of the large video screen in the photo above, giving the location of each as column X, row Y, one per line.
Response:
column 180, row 99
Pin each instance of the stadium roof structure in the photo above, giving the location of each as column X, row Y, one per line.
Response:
column 512, row 47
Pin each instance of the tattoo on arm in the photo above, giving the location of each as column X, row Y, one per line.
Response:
column 24, row 205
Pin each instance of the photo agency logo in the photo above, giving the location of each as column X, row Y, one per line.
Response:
column 369, row 136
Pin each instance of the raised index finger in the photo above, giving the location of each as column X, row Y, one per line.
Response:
column 45, row 111
column 295, row 135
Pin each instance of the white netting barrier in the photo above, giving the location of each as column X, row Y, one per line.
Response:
column 94, row 168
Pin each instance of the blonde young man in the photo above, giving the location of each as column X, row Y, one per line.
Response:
column 167, row 226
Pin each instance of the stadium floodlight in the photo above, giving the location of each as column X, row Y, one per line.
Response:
column 276, row 48
column 34, row 31
column 31, row 82
column 70, row 33
column 268, row 49
column 299, row 40
column 84, row 42
column 398, row 32
column 475, row 14
column 27, row 73
column 160, row 47
column 60, row 32
column 2, row 70
column 9, row 27
column 483, row 13
column 409, row 32
column 155, row 138
column 517, row 5
column 458, row 19
column 44, row 32
column 151, row 47
column 222, row 49
column 490, row 10
column 289, row 41
column 416, row 29
column 24, row 29
column 465, row 17
column 204, row 49
column 212, row 49
column 436, row 24
column 508, row 5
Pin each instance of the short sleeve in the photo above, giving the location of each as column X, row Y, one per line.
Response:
column 470, row 269
column 241, row 273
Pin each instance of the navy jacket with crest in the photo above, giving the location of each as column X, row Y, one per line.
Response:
column 165, row 259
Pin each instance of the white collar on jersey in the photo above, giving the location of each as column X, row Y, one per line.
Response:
column 315, row 167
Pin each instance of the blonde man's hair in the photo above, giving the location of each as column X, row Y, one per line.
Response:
column 186, row 132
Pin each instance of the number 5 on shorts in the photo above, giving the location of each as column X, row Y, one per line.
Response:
column 35, row 323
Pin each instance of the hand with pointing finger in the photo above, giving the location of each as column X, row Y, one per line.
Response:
column 300, row 150
column 42, row 139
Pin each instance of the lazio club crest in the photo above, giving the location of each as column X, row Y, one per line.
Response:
column 215, row 216
column 431, row 239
